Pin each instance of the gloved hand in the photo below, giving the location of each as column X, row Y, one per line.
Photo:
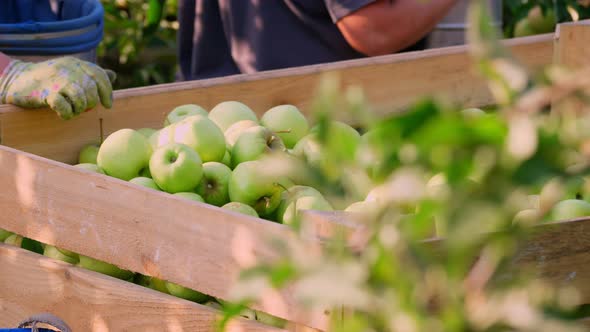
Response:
column 67, row 85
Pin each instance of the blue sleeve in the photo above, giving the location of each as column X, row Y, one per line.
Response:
column 340, row 8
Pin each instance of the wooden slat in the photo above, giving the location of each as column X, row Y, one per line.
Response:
column 194, row 244
column 42, row 133
column 572, row 48
column 559, row 253
column 390, row 82
column 88, row 301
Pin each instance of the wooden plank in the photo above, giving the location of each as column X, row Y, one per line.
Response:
column 194, row 244
column 559, row 253
column 390, row 82
column 89, row 301
column 572, row 49
column 43, row 133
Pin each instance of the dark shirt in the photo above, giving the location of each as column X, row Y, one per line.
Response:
column 227, row 37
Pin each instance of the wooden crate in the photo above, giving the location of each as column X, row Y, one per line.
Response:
column 194, row 244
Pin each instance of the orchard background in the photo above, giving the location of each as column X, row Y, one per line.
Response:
column 140, row 35
column 140, row 41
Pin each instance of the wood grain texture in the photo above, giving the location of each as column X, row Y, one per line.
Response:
column 572, row 49
column 559, row 253
column 390, row 83
column 154, row 233
column 89, row 301
column 43, row 133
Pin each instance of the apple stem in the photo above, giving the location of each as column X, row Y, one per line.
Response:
column 267, row 200
column 286, row 131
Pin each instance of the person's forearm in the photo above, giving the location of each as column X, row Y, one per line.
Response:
column 388, row 26
column 4, row 61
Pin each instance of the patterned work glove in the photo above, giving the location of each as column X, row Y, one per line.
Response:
column 67, row 85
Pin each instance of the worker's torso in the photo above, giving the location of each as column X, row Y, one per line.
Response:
column 226, row 37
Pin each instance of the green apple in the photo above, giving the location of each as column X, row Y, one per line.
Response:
column 291, row 214
column 523, row 28
column 262, row 192
column 227, row 113
column 365, row 209
column 240, row 208
column 14, row 240
column 145, row 182
column 68, row 252
column 248, row 314
column 298, row 191
column 226, row 159
column 141, row 280
column 202, row 135
column 32, row 245
column 53, row 252
column 472, row 112
column 124, row 154
column 253, row 143
column 146, row 173
column 191, row 196
column 88, row 154
column 379, row 196
column 154, row 139
column 342, row 135
column 185, row 293
column 342, row 140
column 267, row 319
column 90, row 167
column 181, row 112
column 4, row 234
column 292, row 194
column 234, row 131
column 150, row 282
column 542, row 23
column 527, row 217
column 176, row 168
column 370, row 153
column 214, row 304
column 220, row 304
column 570, row 209
column 287, row 122
column 158, row 284
column 104, row 268
column 309, row 149
column 214, row 184
column 147, row 132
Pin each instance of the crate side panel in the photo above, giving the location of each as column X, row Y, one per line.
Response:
column 154, row 233
column 88, row 301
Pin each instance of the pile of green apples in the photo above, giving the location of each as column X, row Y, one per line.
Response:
column 557, row 202
column 215, row 158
